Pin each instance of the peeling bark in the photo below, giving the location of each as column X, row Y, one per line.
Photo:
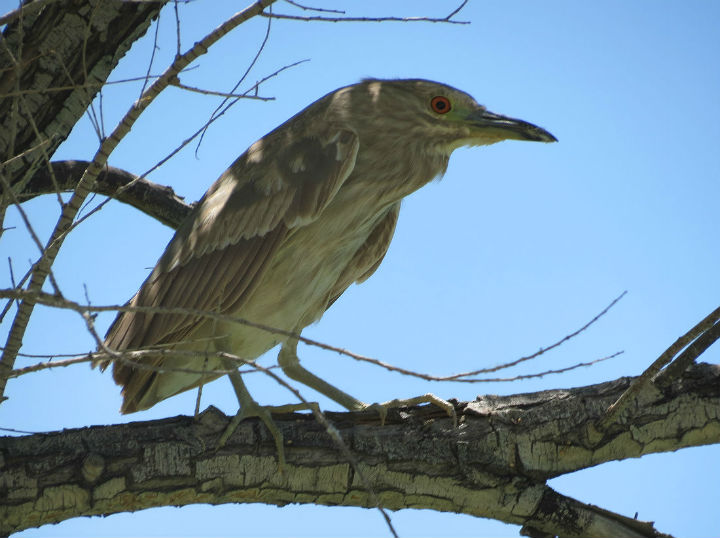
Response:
column 494, row 464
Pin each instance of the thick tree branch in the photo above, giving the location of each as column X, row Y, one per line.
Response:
column 495, row 464
column 64, row 44
column 157, row 201
column 559, row 515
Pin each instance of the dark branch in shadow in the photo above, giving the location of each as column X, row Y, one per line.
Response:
column 157, row 201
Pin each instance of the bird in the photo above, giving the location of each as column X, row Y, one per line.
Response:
column 308, row 210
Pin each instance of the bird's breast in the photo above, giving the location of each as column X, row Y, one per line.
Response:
column 296, row 286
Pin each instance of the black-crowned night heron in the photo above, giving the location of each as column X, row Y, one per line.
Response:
column 308, row 210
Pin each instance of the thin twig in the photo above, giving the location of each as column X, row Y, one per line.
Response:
column 538, row 374
column 131, row 358
column 177, row 149
column 542, row 351
column 33, row 165
column 318, row 9
column 642, row 381
column 202, row 91
column 12, row 273
column 687, row 357
column 285, row 16
column 237, row 84
column 146, row 80
column 28, row 226
column 27, row 152
column 85, row 85
column 58, row 302
column 178, row 46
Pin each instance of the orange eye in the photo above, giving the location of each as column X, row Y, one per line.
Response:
column 440, row 104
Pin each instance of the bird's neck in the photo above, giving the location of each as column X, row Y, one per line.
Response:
column 394, row 168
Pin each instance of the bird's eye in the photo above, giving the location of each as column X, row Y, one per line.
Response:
column 440, row 104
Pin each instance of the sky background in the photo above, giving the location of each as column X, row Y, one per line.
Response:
column 517, row 246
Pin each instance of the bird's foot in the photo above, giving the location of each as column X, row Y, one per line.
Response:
column 251, row 409
column 382, row 408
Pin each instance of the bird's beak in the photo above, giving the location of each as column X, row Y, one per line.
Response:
column 499, row 127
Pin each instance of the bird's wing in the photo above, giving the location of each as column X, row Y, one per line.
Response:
column 369, row 256
column 221, row 251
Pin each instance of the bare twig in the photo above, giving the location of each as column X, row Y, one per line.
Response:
column 23, row 215
column 237, row 84
column 12, row 273
column 285, row 16
column 59, row 302
column 318, row 9
column 538, row 374
column 230, row 95
column 86, row 85
column 21, row 156
column 645, row 378
column 447, row 19
column 687, row 357
column 28, row 226
column 179, row 148
column 132, row 358
column 146, row 80
column 542, row 350
column 212, row 119
column 178, row 45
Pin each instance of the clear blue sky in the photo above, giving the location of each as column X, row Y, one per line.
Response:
column 518, row 245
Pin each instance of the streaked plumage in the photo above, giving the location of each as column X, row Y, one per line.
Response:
column 306, row 211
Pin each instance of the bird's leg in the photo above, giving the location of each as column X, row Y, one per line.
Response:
column 290, row 364
column 250, row 408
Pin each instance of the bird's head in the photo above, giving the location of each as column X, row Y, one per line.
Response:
column 435, row 113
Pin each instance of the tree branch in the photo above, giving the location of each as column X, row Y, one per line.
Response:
column 43, row 50
column 706, row 332
column 157, row 201
column 494, row 465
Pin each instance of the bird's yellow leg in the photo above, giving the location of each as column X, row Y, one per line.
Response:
column 290, row 364
column 250, row 408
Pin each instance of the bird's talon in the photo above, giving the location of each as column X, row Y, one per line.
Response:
column 264, row 414
column 381, row 410
column 234, row 423
column 425, row 398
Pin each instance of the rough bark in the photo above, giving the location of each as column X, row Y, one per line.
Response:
column 495, row 464
column 71, row 45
